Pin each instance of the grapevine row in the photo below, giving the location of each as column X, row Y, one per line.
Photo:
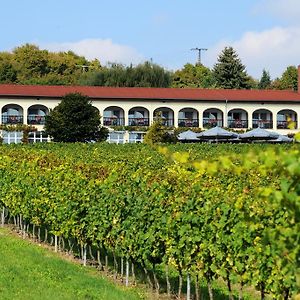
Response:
column 234, row 217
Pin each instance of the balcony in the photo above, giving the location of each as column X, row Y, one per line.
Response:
column 12, row 119
column 138, row 121
column 165, row 121
column 36, row 120
column 237, row 123
column 285, row 124
column 113, row 121
column 188, row 122
column 209, row 123
column 266, row 124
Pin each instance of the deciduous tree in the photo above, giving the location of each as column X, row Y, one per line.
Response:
column 193, row 76
column 288, row 80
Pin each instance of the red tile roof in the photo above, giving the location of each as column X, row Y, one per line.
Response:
column 11, row 90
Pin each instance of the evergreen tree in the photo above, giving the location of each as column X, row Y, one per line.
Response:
column 74, row 119
column 265, row 80
column 157, row 133
column 229, row 72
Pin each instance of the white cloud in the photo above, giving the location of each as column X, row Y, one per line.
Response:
column 102, row 49
column 274, row 49
column 284, row 9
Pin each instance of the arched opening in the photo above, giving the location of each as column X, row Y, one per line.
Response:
column 262, row 118
column 285, row 117
column 138, row 116
column 113, row 116
column 237, row 118
column 36, row 114
column 167, row 115
column 12, row 114
column 212, row 117
column 188, row 117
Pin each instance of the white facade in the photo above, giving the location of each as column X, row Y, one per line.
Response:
column 125, row 112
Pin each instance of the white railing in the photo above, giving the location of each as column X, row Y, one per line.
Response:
column 121, row 137
column 12, row 137
column 15, row 137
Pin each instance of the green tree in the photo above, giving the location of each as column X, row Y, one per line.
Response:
column 149, row 75
column 30, row 62
column 74, row 119
column 157, row 133
column 229, row 72
column 288, row 80
column 265, row 80
column 194, row 76
column 117, row 75
column 7, row 73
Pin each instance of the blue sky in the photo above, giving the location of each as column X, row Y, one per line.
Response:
column 265, row 33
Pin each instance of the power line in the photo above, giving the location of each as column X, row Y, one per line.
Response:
column 199, row 53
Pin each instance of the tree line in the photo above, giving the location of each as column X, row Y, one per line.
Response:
column 28, row 64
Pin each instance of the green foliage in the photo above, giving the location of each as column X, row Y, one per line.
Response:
column 216, row 212
column 193, row 76
column 157, row 133
column 28, row 64
column 265, row 80
column 288, row 80
column 25, row 129
column 74, row 119
column 229, row 72
column 8, row 73
column 143, row 75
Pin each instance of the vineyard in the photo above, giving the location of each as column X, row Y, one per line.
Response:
column 202, row 212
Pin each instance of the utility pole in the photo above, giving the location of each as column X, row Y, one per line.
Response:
column 199, row 53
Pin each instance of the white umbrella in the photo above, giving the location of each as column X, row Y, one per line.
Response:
column 217, row 133
column 259, row 134
column 282, row 139
column 188, row 136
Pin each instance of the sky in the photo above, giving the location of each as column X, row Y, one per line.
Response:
column 264, row 33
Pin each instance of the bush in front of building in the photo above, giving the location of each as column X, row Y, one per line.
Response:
column 74, row 119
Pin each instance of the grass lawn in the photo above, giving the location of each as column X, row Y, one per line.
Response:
column 31, row 272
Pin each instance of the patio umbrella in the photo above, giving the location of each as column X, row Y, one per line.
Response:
column 217, row 134
column 259, row 134
column 282, row 139
column 188, row 136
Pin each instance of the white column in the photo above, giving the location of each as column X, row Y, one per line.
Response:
column 274, row 115
column 225, row 115
column 225, row 118
column 250, row 113
column 200, row 113
column 25, row 116
column 176, row 112
column 126, row 118
column 150, row 116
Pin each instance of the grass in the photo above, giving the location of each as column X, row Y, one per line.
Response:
column 32, row 272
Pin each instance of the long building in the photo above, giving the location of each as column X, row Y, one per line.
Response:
column 238, row 109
